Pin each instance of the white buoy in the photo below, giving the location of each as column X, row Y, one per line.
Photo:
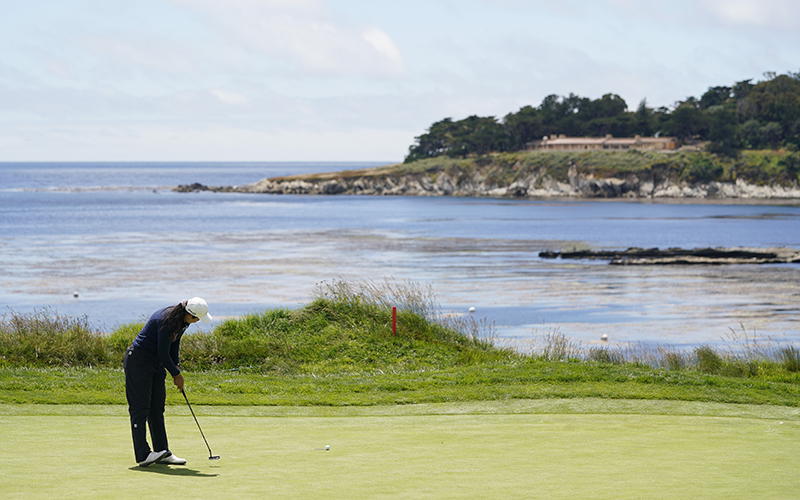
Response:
column 604, row 337
column 75, row 294
column 472, row 309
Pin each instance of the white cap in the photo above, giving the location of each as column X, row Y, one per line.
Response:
column 198, row 308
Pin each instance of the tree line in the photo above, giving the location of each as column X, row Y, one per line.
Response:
column 746, row 115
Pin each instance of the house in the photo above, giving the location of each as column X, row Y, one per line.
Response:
column 609, row 143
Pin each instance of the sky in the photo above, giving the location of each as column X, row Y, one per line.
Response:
column 347, row 80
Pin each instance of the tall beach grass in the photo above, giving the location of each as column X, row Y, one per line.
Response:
column 741, row 354
column 43, row 337
column 347, row 328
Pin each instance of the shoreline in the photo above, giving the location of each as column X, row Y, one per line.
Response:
column 658, row 200
column 755, row 177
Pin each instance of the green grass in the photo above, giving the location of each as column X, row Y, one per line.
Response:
column 756, row 167
column 340, row 351
column 45, row 338
column 532, row 379
column 333, row 333
column 501, row 450
column 436, row 411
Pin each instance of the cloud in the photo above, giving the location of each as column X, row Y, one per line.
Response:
column 381, row 42
column 229, row 97
column 754, row 13
column 762, row 14
column 314, row 75
column 302, row 36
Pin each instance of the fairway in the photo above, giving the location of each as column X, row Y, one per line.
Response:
column 522, row 449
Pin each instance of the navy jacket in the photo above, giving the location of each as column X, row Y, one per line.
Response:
column 155, row 338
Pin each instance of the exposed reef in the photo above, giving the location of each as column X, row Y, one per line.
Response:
column 680, row 256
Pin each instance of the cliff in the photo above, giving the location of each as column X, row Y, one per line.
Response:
column 631, row 175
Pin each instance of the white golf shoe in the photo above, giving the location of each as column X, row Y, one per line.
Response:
column 153, row 457
column 172, row 460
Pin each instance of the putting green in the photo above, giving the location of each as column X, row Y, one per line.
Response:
column 536, row 449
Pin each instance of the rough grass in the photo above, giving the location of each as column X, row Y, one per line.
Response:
column 45, row 338
column 340, row 350
column 491, row 381
column 348, row 327
column 742, row 354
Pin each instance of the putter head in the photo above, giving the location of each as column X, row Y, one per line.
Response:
column 215, row 457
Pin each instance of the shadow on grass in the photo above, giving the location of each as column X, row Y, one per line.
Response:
column 169, row 471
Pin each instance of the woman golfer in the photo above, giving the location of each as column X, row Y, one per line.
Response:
column 153, row 353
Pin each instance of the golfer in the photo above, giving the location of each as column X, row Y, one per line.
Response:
column 154, row 352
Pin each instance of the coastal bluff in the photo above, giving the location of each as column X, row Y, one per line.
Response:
column 544, row 175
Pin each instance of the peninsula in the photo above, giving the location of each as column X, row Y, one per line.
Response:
column 631, row 174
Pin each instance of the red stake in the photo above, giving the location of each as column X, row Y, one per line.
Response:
column 394, row 320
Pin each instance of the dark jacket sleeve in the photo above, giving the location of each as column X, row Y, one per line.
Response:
column 165, row 351
column 174, row 352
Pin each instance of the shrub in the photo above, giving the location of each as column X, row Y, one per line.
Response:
column 348, row 328
column 201, row 351
column 606, row 355
column 708, row 361
column 121, row 338
column 790, row 358
column 701, row 169
column 555, row 346
column 673, row 360
column 45, row 338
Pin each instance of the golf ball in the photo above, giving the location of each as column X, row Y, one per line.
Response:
column 327, row 447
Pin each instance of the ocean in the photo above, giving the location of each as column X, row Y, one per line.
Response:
column 115, row 235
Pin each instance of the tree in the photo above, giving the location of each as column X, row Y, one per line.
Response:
column 751, row 134
column 608, row 106
column 686, row 121
column 559, row 114
column 644, row 119
column 435, row 142
column 744, row 115
column 776, row 101
column 476, row 135
column 523, row 127
column 722, row 132
column 715, row 96
column 754, row 135
column 742, row 89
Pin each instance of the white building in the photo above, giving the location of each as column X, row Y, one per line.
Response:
column 563, row 143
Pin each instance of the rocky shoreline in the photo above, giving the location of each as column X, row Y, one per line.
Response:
column 377, row 182
column 680, row 256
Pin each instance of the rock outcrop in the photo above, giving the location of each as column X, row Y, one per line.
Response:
column 477, row 183
column 673, row 256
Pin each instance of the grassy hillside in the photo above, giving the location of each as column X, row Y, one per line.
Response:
column 755, row 167
column 347, row 328
column 340, row 350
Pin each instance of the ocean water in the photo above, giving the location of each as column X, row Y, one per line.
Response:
column 115, row 234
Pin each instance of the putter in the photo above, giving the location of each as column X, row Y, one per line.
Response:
column 210, row 455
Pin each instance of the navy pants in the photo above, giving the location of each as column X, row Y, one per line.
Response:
column 146, row 394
